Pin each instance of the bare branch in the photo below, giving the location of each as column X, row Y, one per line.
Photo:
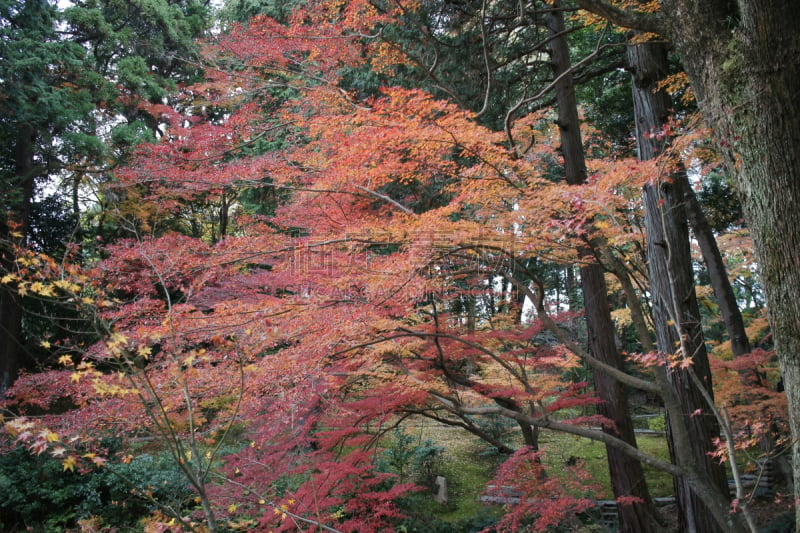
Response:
column 392, row 201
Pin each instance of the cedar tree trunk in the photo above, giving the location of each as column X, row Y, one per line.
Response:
column 10, row 301
column 743, row 61
column 627, row 476
column 726, row 299
column 675, row 311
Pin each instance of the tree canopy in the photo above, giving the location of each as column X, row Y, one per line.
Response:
column 262, row 242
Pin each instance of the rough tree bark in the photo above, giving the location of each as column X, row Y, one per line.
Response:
column 11, row 330
column 743, row 61
column 11, row 347
column 712, row 257
column 675, row 310
column 627, row 476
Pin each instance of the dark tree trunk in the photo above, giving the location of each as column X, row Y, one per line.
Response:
column 530, row 435
column 627, row 476
column 223, row 215
column 675, row 310
column 11, row 347
column 11, row 331
column 572, row 298
column 726, row 299
column 742, row 58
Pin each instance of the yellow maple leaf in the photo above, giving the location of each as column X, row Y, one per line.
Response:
column 69, row 463
column 52, row 436
column 42, row 289
column 144, row 351
column 116, row 343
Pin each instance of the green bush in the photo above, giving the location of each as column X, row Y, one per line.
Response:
column 411, row 458
column 500, row 428
column 657, row 423
column 118, row 493
column 36, row 492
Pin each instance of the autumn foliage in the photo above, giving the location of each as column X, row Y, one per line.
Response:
column 399, row 264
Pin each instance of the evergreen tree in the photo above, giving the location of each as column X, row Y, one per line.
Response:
column 65, row 76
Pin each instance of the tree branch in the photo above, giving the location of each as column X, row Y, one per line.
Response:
column 635, row 20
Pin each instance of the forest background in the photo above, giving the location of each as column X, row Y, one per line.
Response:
column 260, row 237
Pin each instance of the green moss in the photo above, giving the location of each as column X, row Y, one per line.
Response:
column 734, row 63
column 469, row 464
column 560, row 448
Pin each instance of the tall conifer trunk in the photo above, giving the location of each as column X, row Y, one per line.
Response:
column 675, row 311
column 10, row 301
column 627, row 476
column 712, row 257
column 742, row 60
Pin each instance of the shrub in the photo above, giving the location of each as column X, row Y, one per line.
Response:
column 411, row 458
column 36, row 492
column 657, row 423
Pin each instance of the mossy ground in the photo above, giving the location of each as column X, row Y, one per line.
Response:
column 469, row 464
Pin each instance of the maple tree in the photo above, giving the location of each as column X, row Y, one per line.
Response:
column 397, row 272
